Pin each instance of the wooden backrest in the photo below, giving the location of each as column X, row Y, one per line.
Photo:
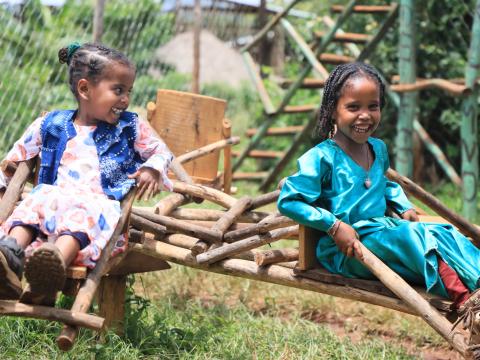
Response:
column 186, row 122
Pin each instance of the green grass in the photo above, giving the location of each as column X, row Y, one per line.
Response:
column 177, row 325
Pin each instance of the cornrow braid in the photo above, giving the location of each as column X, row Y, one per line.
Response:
column 89, row 62
column 333, row 90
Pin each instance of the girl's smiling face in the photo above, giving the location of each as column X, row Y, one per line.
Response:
column 108, row 98
column 358, row 113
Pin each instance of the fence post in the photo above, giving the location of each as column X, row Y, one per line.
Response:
column 197, row 30
column 469, row 128
column 98, row 21
column 408, row 101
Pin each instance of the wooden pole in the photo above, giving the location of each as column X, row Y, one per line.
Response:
column 181, row 226
column 469, row 127
column 232, row 215
column 207, row 149
column 267, row 257
column 267, row 224
column 98, row 21
column 15, row 308
column 197, row 30
column 214, row 215
column 435, row 204
column 86, row 293
column 272, row 274
column 204, row 192
column 227, row 250
column 408, row 101
column 14, row 189
column 410, row 297
column 227, row 157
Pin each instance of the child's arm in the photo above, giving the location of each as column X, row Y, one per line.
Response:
column 152, row 175
column 300, row 196
column 395, row 196
column 27, row 147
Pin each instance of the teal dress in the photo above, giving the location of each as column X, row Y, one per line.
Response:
column 329, row 185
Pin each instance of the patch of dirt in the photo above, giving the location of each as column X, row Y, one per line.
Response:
column 219, row 63
column 357, row 330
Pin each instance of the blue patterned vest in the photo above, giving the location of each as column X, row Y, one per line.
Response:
column 115, row 149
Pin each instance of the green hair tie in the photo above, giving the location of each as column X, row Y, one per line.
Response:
column 71, row 50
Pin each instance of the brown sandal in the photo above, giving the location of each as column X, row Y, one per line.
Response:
column 45, row 270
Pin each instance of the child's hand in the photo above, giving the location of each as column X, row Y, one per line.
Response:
column 410, row 215
column 147, row 182
column 347, row 241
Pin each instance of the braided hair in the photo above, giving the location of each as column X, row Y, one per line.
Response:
column 333, row 90
column 89, row 61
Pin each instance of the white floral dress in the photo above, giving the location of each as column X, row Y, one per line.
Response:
column 76, row 202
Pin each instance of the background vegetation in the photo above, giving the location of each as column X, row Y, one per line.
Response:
column 186, row 313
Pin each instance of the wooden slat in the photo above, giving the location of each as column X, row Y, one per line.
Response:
column 287, row 130
column 335, row 59
column 297, row 109
column 365, row 9
column 249, row 175
column 374, row 286
column 347, row 37
column 262, row 154
column 308, row 83
column 187, row 122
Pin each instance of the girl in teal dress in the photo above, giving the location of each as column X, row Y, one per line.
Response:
column 341, row 189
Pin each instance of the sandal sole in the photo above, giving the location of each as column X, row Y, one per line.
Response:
column 45, row 270
column 10, row 285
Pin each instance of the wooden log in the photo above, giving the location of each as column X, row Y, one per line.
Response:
column 14, row 189
column 366, row 9
column 299, row 109
column 267, row 224
column 227, row 158
column 275, row 256
column 273, row 274
column 214, row 215
column 309, row 83
column 421, row 84
column 204, row 192
column 232, row 215
column 355, row 38
column 435, row 204
column 283, row 131
column 252, row 176
column 183, row 227
column 147, row 225
column 86, row 293
column 265, row 199
column 262, row 154
column 410, row 297
column 210, row 224
column 136, row 236
column 335, row 59
column 227, row 250
column 207, row 149
column 15, row 308
column 111, row 302
column 166, row 205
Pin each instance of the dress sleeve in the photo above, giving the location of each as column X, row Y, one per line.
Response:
column 394, row 194
column 302, row 190
column 25, row 148
column 154, row 152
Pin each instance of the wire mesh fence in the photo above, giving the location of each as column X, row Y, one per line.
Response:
column 32, row 79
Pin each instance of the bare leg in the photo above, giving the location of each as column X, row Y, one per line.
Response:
column 68, row 247
column 23, row 235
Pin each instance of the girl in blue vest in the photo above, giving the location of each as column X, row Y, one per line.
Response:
column 89, row 159
column 341, row 189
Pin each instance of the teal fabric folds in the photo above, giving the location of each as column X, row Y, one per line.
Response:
column 329, row 185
